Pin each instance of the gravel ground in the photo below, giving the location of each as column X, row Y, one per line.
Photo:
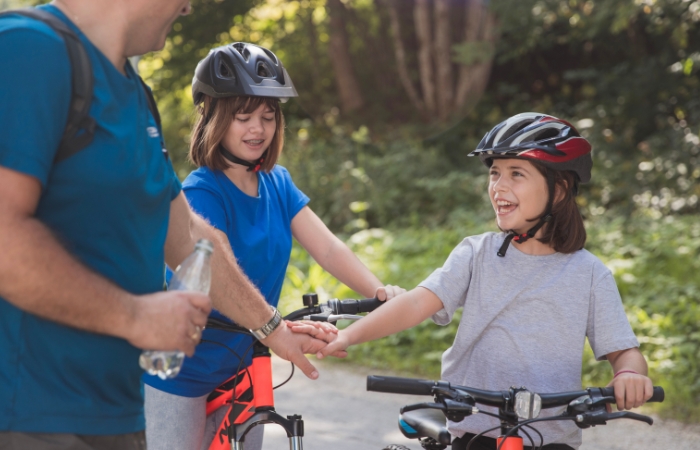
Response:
column 340, row 414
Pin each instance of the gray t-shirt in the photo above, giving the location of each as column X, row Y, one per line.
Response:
column 524, row 323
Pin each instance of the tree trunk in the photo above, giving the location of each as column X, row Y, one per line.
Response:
column 400, row 54
column 473, row 78
column 443, row 59
column 308, row 19
column 421, row 16
column 339, row 51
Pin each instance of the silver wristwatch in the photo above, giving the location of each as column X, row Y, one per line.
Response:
column 267, row 329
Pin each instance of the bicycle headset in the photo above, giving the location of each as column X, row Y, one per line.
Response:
column 241, row 69
column 552, row 142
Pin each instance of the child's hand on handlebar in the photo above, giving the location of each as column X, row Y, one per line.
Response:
column 632, row 390
column 388, row 292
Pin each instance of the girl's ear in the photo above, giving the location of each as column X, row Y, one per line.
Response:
column 560, row 189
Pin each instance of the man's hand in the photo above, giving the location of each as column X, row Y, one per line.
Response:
column 292, row 346
column 171, row 320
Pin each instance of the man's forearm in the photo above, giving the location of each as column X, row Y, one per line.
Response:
column 231, row 292
column 39, row 276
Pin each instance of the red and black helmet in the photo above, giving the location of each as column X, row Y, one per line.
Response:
column 553, row 142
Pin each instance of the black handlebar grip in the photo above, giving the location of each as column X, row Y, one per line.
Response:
column 352, row 306
column 395, row 385
column 369, row 304
column 657, row 396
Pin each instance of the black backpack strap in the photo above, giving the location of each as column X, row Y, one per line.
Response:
column 80, row 127
column 153, row 106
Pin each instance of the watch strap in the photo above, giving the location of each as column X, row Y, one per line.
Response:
column 267, row 329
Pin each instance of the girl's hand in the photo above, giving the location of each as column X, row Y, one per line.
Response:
column 631, row 390
column 388, row 292
column 325, row 326
column 319, row 330
column 336, row 347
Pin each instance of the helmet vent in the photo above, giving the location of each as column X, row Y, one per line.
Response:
column 225, row 71
column 547, row 134
column 271, row 56
column 240, row 47
column 264, row 71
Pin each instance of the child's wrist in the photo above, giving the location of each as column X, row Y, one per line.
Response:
column 620, row 372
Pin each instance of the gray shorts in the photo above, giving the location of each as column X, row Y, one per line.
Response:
column 11, row 440
column 174, row 422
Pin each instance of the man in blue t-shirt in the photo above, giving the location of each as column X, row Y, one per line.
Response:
column 83, row 240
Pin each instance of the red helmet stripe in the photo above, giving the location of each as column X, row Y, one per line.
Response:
column 574, row 147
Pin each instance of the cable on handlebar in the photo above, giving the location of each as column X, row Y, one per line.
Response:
column 527, row 424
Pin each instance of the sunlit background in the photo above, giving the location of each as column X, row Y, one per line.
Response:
column 395, row 93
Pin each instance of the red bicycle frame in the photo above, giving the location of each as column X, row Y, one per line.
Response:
column 250, row 401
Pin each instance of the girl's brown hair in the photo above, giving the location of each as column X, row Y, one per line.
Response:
column 215, row 116
column 565, row 232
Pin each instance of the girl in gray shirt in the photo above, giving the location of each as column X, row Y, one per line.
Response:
column 527, row 311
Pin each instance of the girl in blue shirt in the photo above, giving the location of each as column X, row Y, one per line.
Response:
column 255, row 205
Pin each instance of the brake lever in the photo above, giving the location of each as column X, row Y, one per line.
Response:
column 631, row 415
column 337, row 317
column 416, row 406
column 601, row 416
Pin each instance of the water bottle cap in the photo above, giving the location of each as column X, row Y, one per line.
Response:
column 204, row 244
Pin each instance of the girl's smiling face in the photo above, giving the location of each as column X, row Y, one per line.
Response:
column 518, row 193
column 249, row 135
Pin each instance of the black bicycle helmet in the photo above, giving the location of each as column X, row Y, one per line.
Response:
column 550, row 141
column 241, row 69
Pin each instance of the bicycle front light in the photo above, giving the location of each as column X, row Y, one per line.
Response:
column 527, row 405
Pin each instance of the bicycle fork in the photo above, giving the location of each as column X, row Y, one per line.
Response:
column 263, row 408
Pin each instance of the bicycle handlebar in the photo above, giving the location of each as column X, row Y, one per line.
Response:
column 396, row 385
column 324, row 312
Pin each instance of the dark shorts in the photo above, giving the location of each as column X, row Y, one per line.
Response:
column 486, row 443
column 10, row 440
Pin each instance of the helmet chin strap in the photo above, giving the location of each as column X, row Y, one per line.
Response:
column 546, row 217
column 253, row 166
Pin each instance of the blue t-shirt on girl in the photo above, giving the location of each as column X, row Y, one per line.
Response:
column 260, row 233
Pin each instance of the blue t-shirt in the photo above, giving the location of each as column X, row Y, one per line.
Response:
column 108, row 205
column 260, row 233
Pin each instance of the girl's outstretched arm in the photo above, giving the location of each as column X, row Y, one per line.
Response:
column 632, row 386
column 405, row 311
column 335, row 257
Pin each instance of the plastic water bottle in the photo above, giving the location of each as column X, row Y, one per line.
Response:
column 194, row 274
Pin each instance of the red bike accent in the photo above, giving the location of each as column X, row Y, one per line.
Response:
column 512, row 443
column 262, row 388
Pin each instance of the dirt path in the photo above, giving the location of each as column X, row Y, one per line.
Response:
column 339, row 414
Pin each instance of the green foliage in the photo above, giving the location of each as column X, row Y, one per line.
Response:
column 396, row 179
column 655, row 264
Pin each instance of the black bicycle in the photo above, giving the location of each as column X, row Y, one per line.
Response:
column 518, row 409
